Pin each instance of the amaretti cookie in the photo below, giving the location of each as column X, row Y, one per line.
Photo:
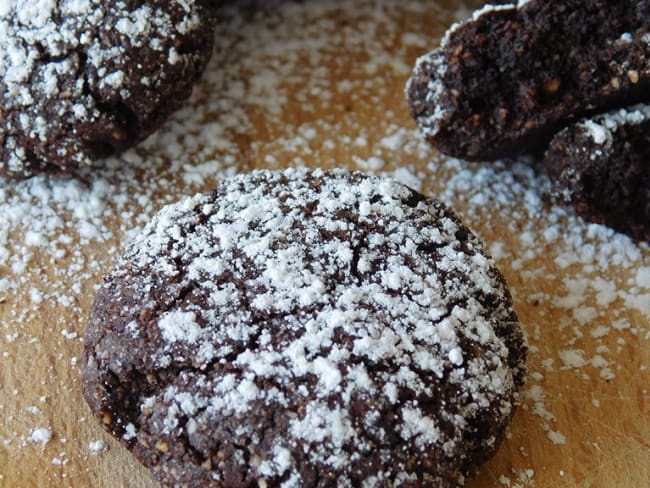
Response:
column 84, row 79
column 304, row 328
column 505, row 81
column 602, row 167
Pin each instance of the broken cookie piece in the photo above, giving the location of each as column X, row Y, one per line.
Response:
column 504, row 82
column 601, row 166
column 305, row 328
column 81, row 80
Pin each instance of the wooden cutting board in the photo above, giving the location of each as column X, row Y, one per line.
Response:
column 320, row 83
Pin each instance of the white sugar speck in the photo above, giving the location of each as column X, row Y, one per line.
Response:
column 97, row 446
column 41, row 435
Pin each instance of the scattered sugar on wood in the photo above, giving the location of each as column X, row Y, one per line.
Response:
column 40, row 436
column 97, row 446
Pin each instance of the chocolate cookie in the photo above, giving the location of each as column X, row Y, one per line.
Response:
column 305, row 328
column 81, row 80
column 504, row 82
column 602, row 167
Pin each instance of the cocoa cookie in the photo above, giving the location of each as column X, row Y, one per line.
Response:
column 81, row 80
column 602, row 167
column 505, row 81
column 305, row 328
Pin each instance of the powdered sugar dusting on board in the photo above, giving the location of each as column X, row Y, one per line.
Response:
column 282, row 293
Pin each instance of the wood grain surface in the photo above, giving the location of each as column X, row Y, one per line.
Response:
column 320, row 83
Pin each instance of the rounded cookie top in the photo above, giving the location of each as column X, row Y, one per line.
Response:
column 305, row 328
column 83, row 79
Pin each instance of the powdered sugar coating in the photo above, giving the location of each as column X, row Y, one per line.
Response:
column 84, row 78
column 330, row 324
column 602, row 128
column 476, row 15
column 430, row 122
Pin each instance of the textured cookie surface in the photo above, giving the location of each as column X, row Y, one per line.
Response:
column 505, row 81
column 83, row 79
column 602, row 167
column 305, row 328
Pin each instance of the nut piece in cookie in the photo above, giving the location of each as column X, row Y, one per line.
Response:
column 504, row 82
column 305, row 328
column 601, row 166
column 81, row 80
